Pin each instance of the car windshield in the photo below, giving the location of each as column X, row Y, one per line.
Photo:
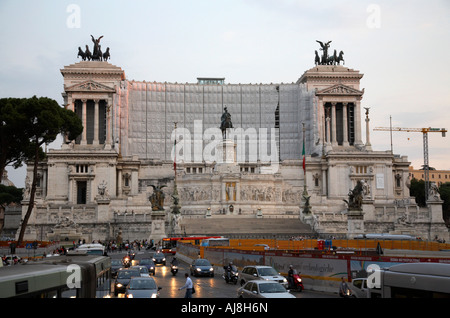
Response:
column 202, row 262
column 143, row 269
column 159, row 255
column 128, row 274
column 271, row 288
column 116, row 262
column 146, row 262
column 142, row 284
column 269, row 271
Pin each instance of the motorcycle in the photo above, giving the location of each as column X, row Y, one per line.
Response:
column 126, row 261
column 233, row 277
column 174, row 269
column 297, row 284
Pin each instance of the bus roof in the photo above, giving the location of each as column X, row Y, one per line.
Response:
column 434, row 269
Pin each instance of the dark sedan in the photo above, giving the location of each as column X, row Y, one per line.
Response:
column 201, row 267
column 159, row 258
column 123, row 278
column 147, row 262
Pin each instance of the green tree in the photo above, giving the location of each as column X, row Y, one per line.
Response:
column 444, row 191
column 12, row 137
column 8, row 195
column 417, row 190
column 41, row 121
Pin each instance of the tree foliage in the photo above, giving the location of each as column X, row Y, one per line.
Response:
column 444, row 191
column 417, row 190
column 28, row 124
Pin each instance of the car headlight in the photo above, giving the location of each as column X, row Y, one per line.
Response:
column 119, row 285
column 284, row 280
column 154, row 259
column 130, row 296
column 199, row 269
column 154, row 295
column 211, row 269
column 164, row 259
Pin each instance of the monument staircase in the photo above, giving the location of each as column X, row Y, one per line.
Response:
column 246, row 227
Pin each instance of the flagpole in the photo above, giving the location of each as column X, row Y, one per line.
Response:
column 306, row 197
column 305, row 192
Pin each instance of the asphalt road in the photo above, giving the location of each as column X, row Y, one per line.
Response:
column 206, row 287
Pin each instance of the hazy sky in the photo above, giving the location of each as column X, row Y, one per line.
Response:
column 401, row 47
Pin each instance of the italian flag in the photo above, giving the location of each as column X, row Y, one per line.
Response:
column 175, row 155
column 304, row 158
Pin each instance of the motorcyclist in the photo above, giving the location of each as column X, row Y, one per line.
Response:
column 228, row 270
column 290, row 277
column 174, row 262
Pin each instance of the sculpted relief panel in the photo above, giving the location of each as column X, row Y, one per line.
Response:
column 247, row 194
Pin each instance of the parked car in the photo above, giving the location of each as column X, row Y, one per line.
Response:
column 123, row 278
column 142, row 287
column 263, row 289
column 147, row 262
column 201, row 267
column 257, row 272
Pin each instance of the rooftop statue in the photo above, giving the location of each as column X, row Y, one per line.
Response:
column 326, row 59
column 97, row 54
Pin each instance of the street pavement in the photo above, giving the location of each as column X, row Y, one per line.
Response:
column 206, row 287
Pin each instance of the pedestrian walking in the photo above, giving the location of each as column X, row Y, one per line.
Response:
column 189, row 286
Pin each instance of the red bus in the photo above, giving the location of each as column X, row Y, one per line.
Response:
column 169, row 244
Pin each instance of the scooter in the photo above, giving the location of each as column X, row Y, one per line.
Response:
column 174, row 269
column 126, row 261
column 233, row 275
column 297, row 283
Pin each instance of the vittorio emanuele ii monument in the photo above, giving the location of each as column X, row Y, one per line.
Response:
column 214, row 151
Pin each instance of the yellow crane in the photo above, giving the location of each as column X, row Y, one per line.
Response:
column 425, row 132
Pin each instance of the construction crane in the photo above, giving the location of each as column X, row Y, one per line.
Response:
column 425, row 132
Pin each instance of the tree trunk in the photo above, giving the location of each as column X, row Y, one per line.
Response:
column 32, row 194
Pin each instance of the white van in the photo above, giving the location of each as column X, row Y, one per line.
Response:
column 92, row 249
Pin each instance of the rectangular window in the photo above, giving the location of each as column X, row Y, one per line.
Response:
column 81, row 192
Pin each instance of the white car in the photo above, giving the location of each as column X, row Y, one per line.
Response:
column 258, row 272
column 359, row 288
column 263, row 289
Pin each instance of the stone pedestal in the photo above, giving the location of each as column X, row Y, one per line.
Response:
column 437, row 226
column 102, row 208
column 65, row 235
column 158, row 229
column 355, row 223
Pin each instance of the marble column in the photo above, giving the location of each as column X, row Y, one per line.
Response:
column 358, row 139
column 345, row 124
column 84, row 122
column 108, row 123
column 96, row 106
column 333, row 124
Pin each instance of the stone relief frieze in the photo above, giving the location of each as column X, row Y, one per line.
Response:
column 262, row 194
column 197, row 193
